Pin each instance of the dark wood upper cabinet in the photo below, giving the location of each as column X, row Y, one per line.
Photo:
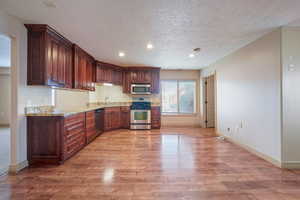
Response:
column 150, row 75
column 108, row 73
column 84, row 69
column 49, row 57
column 55, row 61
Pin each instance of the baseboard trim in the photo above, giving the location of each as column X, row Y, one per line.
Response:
column 14, row 169
column 291, row 165
column 253, row 151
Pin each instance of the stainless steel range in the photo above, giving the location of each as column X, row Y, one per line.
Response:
column 140, row 115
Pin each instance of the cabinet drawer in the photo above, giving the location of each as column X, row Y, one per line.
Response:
column 90, row 123
column 112, row 109
column 73, row 146
column 73, row 119
column 73, row 132
column 125, row 109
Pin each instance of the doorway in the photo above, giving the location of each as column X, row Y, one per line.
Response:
column 5, row 102
column 209, row 102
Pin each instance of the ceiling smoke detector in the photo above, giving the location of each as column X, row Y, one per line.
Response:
column 49, row 4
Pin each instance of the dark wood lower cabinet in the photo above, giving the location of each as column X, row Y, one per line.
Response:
column 91, row 132
column 125, row 117
column 112, row 118
column 54, row 139
column 155, row 117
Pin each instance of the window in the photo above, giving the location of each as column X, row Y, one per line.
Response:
column 178, row 96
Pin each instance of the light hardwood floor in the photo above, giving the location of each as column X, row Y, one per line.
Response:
column 166, row 164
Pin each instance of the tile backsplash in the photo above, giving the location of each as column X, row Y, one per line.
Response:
column 66, row 99
column 108, row 94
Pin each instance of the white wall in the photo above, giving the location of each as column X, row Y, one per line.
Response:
column 249, row 95
column 183, row 120
column 20, row 93
column 291, row 95
column 5, row 99
column 70, row 99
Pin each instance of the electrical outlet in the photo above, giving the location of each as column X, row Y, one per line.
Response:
column 237, row 128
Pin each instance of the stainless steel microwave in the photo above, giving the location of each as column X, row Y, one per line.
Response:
column 140, row 88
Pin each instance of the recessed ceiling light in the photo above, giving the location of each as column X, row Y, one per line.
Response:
column 149, row 46
column 121, row 54
column 192, row 55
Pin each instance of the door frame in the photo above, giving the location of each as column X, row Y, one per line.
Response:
column 204, row 95
column 13, row 103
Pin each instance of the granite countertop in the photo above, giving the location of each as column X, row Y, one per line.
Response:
column 52, row 111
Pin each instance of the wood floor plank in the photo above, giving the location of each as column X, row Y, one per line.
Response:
column 166, row 164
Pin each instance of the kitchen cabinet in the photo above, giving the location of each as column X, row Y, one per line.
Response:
column 149, row 75
column 140, row 76
column 155, row 117
column 84, row 69
column 91, row 132
column 54, row 139
column 125, row 117
column 126, row 82
column 112, row 118
column 108, row 73
column 49, row 59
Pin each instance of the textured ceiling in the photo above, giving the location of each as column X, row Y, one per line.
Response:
column 175, row 27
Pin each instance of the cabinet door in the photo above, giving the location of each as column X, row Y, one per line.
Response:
column 117, row 119
column 52, row 61
column 100, row 73
column 91, row 132
column 125, row 117
column 68, row 67
column 90, row 74
column 117, row 77
column 58, row 62
column 147, row 76
column 49, row 57
column 155, row 117
column 126, row 82
column 61, row 74
column 83, row 68
column 134, row 76
column 108, row 74
column 107, row 120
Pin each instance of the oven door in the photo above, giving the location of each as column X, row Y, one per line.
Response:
column 140, row 89
column 140, row 117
